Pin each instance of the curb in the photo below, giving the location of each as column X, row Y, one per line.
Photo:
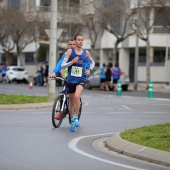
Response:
column 121, row 146
column 26, row 106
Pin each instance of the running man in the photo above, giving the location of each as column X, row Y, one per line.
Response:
column 76, row 60
column 71, row 44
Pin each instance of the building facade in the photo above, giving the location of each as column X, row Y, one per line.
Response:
column 73, row 13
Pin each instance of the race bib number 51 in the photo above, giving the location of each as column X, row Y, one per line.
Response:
column 76, row 71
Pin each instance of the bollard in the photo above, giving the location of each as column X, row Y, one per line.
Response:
column 119, row 88
column 30, row 86
column 150, row 90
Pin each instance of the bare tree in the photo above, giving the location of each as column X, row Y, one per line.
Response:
column 23, row 33
column 115, row 18
column 17, row 31
column 5, row 38
column 145, row 22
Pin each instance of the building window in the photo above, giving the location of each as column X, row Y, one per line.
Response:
column 68, row 3
column 14, row 4
column 162, row 16
column 74, row 3
column 159, row 55
column 45, row 2
column 142, row 55
column 29, row 58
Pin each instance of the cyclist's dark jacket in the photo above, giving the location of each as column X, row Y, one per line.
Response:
column 108, row 74
column 77, row 67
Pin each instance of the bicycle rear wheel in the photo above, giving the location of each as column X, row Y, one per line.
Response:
column 79, row 112
column 57, row 114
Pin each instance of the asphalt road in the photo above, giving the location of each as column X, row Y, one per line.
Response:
column 28, row 140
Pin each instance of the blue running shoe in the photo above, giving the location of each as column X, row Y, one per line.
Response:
column 72, row 126
column 77, row 124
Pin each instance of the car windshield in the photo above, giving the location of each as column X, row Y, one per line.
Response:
column 97, row 72
column 18, row 69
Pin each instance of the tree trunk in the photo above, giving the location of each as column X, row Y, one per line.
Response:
column 115, row 54
column 147, row 62
column 20, row 60
column 9, row 59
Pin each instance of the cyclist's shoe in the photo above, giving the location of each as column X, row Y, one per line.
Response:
column 72, row 126
column 58, row 116
column 77, row 124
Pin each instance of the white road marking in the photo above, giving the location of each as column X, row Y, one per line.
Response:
column 73, row 146
column 126, row 107
column 130, row 102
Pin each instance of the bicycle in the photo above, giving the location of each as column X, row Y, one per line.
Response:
column 61, row 105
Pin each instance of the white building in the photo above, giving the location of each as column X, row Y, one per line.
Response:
column 159, row 40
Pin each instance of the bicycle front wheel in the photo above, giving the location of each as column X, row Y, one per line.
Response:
column 57, row 113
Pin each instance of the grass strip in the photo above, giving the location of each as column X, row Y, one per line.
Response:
column 21, row 99
column 155, row 136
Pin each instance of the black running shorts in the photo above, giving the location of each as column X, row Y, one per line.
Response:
column 72, row 87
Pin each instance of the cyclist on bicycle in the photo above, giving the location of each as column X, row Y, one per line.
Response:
column 56, row 70
column 76, row 60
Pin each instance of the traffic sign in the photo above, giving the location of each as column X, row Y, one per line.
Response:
column 59, row 31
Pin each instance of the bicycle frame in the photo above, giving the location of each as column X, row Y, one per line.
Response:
column 61, row 106
column 64, row 93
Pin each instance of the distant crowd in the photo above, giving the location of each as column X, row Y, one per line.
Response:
column 107, row 72
column 41, row 77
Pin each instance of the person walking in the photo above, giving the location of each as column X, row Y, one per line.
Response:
column 40, row 74
column 116, row 75
column 76, row 61
column 108, row 72
column 3, row 72
column 102, row 77
column 46, row 73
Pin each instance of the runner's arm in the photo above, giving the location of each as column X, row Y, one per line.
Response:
column 58, row 66
column 92, row 63
column 65, row 63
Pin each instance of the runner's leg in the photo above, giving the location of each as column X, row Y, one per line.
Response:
column 79, row 90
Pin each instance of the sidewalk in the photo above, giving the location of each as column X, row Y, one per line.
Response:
column 25, row 106
column 116, row 143
column 163, row 88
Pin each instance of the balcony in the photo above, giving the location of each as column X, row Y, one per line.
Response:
column 160, row 29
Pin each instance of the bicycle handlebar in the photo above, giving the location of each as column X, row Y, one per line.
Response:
column 59, row 78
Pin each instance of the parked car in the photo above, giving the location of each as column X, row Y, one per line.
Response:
column 16, row 73
column 94, row 80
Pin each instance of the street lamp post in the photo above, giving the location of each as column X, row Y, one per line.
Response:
column 136, row 50
column 136, row 62
column 53, row 48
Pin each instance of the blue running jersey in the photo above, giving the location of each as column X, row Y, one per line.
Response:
column 76, row 72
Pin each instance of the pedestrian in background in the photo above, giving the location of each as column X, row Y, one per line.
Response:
column 40, row 74
column 102, row 77
column 46, row 73
column 116, row 75
column 3, row 72
column 108, row 73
